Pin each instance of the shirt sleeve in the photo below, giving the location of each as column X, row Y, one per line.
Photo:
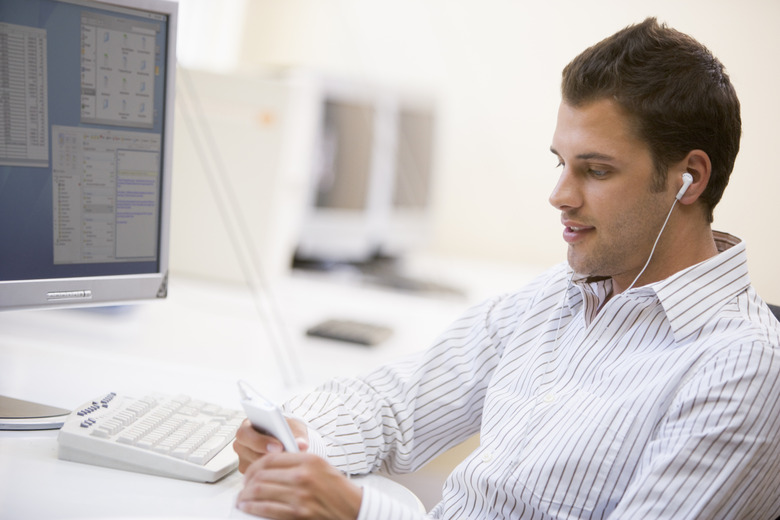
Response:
column 378, row 506
column 715, row 454
column 400, row 416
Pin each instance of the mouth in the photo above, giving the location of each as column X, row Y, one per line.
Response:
column 574, row 232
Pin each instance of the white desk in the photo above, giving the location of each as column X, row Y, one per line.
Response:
column 198, row 342
column 34, row 484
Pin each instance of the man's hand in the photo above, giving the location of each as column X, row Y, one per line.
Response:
column 298, row 486
column 250, row 444
column 290, row 486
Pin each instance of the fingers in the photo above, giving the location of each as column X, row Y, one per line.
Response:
column 267, row 500
column 279, row 486
column 298, row 486
column 273, row 510
column 271, row 468
column 245, row 456
column 250, row 445
column 256, row 441
column 299, row 429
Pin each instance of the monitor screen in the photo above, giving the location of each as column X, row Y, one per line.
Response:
column 413, row 180
column 86, row 99
column 345, row 218
column 86, row 115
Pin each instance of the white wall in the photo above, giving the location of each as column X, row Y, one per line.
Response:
column 496, row 64
column 240, row 174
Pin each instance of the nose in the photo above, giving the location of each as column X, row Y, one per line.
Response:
column 566, row 193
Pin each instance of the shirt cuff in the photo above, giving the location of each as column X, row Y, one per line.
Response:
column 317, row 444
column 375, row 505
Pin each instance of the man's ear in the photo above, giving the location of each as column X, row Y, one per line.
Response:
column 698, row 164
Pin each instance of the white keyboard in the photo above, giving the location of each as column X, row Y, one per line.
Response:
column 170, row 436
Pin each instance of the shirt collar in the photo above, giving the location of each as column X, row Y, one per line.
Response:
column 692, row 296
column 689, row 297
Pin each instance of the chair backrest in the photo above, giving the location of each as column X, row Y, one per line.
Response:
column 775, row 310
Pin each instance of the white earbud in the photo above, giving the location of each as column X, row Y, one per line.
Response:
column 687, row 180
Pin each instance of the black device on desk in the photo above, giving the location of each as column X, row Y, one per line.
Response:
column 351, row 331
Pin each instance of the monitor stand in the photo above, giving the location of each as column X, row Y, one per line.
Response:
column 381, row 271
column 16, row 414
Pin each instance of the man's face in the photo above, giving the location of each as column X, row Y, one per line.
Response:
column 610, row 213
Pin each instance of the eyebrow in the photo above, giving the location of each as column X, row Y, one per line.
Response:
column 588, row 156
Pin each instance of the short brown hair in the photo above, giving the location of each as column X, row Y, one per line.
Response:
column 678, row 93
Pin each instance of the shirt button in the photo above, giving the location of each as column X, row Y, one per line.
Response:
column 487, row 456
column 550, row 398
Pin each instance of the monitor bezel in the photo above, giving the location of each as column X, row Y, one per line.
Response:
column 115, row 289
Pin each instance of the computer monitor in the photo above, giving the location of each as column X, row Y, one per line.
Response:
column 86, row 115
column 414, row 165
column 374, row 163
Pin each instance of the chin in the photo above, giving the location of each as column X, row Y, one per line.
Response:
column 577, row 263
column 585, row 269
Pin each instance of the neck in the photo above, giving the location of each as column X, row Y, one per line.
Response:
column 684, row 243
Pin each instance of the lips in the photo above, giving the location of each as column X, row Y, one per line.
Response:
column 575, row 231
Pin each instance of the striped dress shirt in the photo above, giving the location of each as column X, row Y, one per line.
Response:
column 660, row 402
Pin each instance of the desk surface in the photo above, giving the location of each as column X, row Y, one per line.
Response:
column 34, row 484
column 199, row 342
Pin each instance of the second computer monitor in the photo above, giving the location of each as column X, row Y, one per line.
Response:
column 373, row 167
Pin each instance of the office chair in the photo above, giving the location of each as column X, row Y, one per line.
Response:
column 775, row 310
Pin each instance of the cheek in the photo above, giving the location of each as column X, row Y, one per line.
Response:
column 622, row 219
column 641, row 221
column 624, row 204
column 607, row 207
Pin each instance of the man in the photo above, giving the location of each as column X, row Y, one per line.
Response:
column 640, row 380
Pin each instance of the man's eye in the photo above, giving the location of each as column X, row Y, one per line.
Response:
column 597, row 173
